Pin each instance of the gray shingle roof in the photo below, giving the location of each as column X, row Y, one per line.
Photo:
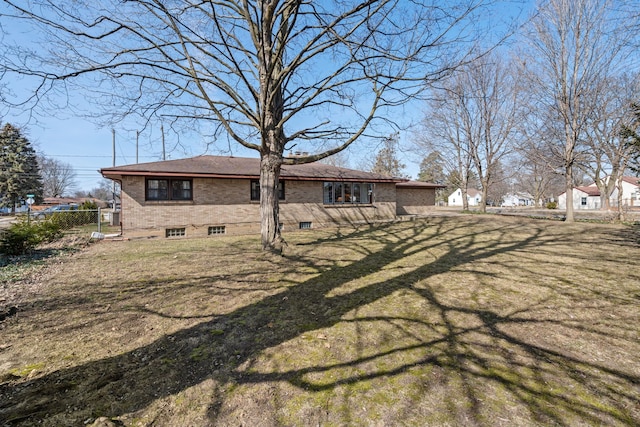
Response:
column 240, row 167
column 419, row 184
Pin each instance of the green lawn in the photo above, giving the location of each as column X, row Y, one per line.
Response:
column 473, row 320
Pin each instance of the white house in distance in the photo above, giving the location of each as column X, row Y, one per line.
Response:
column 518, row 199
column 584, row 197
column 588, row 197
column 473, row 197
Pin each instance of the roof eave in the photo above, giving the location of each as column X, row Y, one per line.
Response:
column 118, row 174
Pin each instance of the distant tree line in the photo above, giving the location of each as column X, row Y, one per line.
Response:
column 553, row 112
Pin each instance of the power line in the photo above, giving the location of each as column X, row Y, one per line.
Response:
column 94, row 156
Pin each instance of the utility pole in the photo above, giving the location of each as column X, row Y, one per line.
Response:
column 137, row 139
column 113, row 152
column 113, row 146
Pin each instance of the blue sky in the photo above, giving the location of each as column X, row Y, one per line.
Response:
column 87, row 147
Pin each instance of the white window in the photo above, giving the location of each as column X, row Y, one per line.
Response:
column 347, row 193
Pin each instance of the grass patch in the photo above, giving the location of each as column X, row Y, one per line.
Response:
column 472, row 320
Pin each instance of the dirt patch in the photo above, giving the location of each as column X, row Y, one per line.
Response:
column 473, row 320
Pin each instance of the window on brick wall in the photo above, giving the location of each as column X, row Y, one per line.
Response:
column 216, row 229
column 339, row 193
column 168, row 189
column 175, row 232
column 255, row 190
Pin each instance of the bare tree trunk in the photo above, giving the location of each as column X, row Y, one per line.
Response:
column 569, row 217
column 270, row 164
column 483, row 201
column 605, row 204
column 465, row 196
column 621, row 216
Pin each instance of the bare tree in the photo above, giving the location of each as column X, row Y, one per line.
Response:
column 268, row 75
column 539, row 163
column 340, row 160
column 477, row 121
column 103, row 191
column 609, row 153
column 446, row 129
column 574, row 45
column 537, row 177
column 58, row 177
column 495, row 96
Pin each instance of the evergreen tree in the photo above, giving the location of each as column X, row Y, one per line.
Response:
column 432, row 169
column 19, row 171
column 387, row 162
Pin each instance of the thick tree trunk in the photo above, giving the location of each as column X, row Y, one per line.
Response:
column 270, row 164
column 465, row 198
column 484, row 194
column 605, row 204
column 621, row 214
column 569, row 217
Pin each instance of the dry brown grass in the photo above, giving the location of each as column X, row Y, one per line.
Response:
column 476, row 320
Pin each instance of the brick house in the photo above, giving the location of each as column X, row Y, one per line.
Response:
column 207, row 195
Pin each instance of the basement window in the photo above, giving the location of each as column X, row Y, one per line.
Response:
column 216, row 229
column 175, row 232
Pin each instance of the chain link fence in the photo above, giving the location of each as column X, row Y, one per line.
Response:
column 82, row 221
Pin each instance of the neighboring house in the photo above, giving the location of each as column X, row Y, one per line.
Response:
column 584, row 197
column 588, row 197
column 518, row 199
column 473, row 197
column 630, row 192
column 208, row 195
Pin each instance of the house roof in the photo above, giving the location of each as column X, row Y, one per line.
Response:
column 589, row 190
column 240, row 167
column 418, row 184
column 72, row 201
column 632, row 180
column 472, row 192
column 519, row 195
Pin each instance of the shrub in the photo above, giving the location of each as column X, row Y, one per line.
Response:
column 23, row 236
column 552, row 205
column 88, row 205
column 86, row 214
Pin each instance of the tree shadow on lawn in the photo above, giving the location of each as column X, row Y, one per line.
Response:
column 483, row 353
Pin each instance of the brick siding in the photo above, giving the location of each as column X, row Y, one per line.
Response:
column 226, row 202
column 415, row 201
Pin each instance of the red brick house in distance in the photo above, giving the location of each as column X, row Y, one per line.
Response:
column 210, row 195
